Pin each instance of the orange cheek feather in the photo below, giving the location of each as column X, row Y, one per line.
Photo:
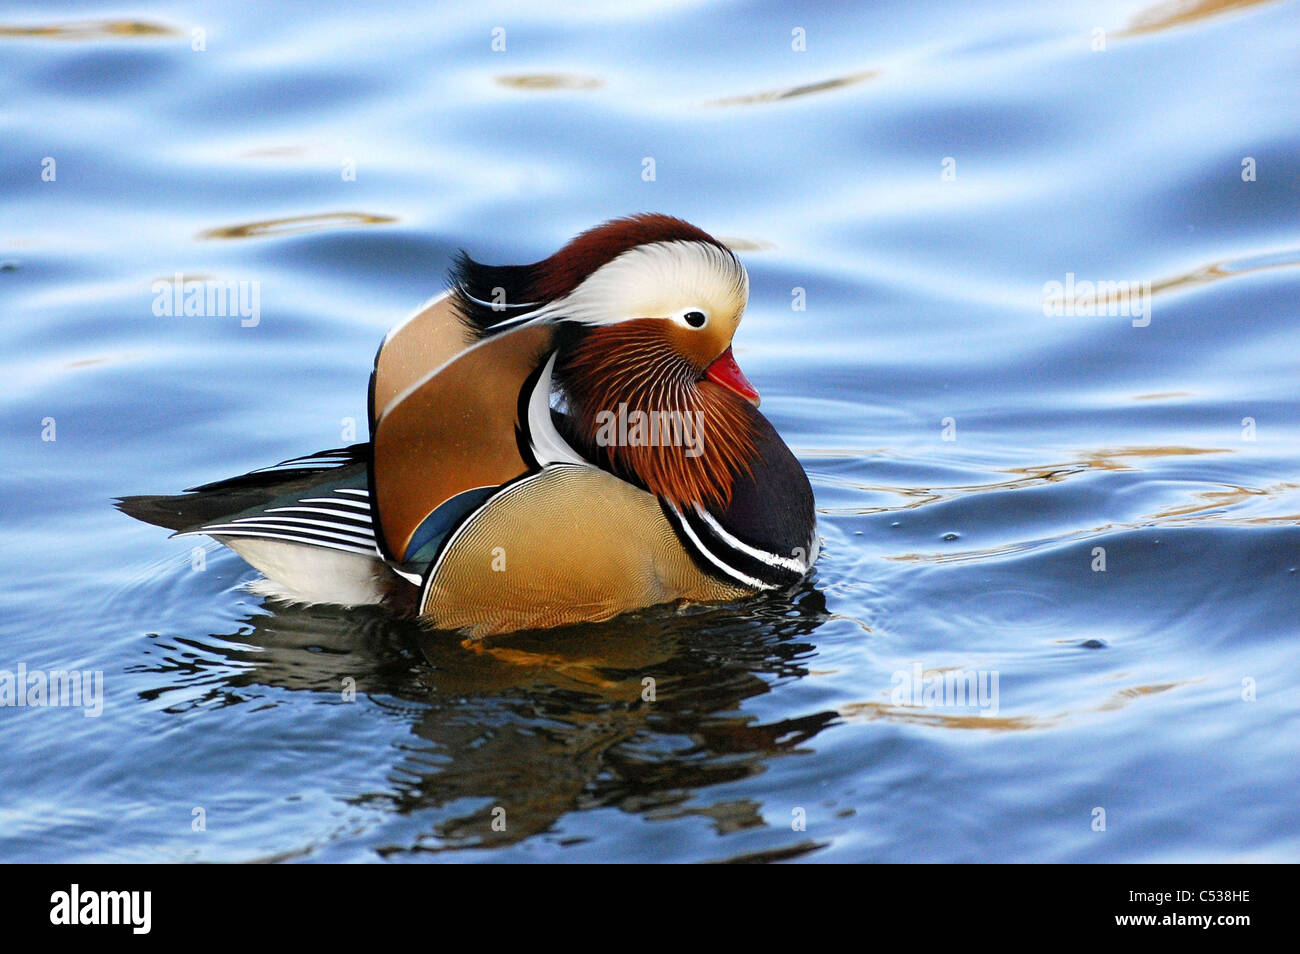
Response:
column 635, row 364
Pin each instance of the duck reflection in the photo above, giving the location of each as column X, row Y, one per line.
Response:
column 515, row 732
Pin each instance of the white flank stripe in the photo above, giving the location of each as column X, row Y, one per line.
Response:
column 771, row 559
column 729, row 570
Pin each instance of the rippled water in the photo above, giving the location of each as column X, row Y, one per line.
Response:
column 921, row 171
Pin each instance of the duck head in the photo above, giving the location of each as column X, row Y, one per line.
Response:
column 643, row 378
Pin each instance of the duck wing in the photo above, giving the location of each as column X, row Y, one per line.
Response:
column 340, row 473
column 460, row 428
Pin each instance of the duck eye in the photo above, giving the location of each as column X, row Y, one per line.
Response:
column 695, row 319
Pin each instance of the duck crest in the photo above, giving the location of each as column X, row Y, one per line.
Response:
column 487, row 296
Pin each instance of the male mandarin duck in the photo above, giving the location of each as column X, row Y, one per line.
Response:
column 550, row 443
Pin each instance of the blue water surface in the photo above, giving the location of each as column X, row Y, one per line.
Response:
column 1100, row 510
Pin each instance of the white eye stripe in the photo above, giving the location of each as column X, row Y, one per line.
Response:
column 648, row 281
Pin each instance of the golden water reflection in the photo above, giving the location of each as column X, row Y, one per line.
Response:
column 1204, row 507
column 792, row 92
column 918, row 715
column 1176, row 13
column 1024, row 477
column 1228, row 268
column 550, row 81
column 295, row 225
column 89, row 30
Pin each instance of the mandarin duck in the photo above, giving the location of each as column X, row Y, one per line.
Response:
column 549, row 443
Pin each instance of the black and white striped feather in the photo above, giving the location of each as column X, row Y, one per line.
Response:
column 338, row 518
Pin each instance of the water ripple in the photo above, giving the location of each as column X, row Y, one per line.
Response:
column 294, row 225
column 89, row 30
column 794, row 92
